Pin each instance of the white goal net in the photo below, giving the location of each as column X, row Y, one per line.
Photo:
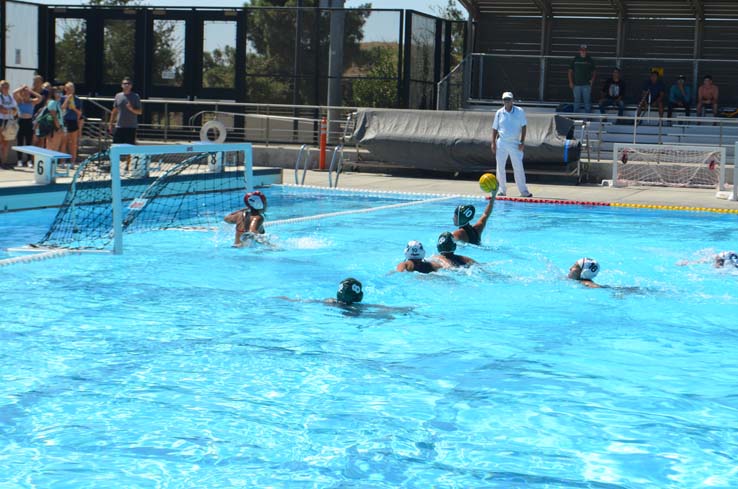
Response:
column 668, row 165
column 144, row 188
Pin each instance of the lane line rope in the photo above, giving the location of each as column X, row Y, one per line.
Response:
column 37, row 257
column 356, row 211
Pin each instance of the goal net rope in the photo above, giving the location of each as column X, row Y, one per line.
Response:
column 157, row 191
column 668, row 165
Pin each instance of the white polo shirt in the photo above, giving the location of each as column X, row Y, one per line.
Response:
column 509, row 124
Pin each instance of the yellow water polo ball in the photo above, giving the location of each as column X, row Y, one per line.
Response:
column 488, row 183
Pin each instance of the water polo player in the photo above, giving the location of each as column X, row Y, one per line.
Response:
column 463, row 214
column 584, row 270
column 447, row 253
column 249, row 221
column 415, row 260
column 726, row 259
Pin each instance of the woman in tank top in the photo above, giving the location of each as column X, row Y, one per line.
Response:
column 72, row 110
column 8, row 111
column 26, row 100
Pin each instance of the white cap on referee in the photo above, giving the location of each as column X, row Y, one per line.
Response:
column 507, row 95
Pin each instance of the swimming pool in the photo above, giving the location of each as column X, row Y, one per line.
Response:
column 182, row 364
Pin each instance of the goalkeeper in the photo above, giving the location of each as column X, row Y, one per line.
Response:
column 250, row 220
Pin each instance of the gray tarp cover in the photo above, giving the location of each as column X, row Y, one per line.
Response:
column 457, row 140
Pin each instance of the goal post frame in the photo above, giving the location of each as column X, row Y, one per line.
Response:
column 618, row 147
column 734, row 192
column 118, row 150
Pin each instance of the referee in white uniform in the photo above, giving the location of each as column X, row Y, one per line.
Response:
column 508, row 139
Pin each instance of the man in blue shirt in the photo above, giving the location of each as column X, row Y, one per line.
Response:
column 680, row 95
column 652, row 94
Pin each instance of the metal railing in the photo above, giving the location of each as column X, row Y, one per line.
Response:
column 599, row 133
column 450, row 91
column 336, row 166
column 180, row 120
column 302, row 160
column 486, row 75
column 95, row 127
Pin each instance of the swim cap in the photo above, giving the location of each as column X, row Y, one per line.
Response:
column 446, row 243
column 255, row 200
column 464, row 214
column 590, row 268
column 414, row 250
column 349, row 291
column 728, row 257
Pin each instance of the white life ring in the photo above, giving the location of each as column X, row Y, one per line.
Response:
column 217, row 126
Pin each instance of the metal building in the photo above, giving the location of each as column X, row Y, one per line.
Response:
column 526, row 45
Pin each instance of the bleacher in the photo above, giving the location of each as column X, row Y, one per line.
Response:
column 682, row 131
column 602, row 131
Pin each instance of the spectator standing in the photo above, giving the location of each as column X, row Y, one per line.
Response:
column 8, row 111
column 680, row 95
column 613, row 92
column 72, row 110
column 707, row 95
column 38, row 83
column 652, row 94
column 26, row 100
column 43, row 91
column 508, row 140
column 582, row 74
column 55, row 140
column 126, row 109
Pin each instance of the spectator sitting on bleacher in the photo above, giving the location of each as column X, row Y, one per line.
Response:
column 652, row 94
column 707, row 95
column 613, row 92
column 680, row 95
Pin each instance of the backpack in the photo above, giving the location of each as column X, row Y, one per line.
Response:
column 44, row 123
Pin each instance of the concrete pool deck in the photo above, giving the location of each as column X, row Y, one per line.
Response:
column 21, row 180
column 635, row 196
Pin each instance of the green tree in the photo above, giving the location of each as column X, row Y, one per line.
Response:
column 218, row 68
column 168, row 53
column 450, row 11
column 118, row 50
column 379, row 88
column 271, row 48
column 119, row 54
column 69, row 59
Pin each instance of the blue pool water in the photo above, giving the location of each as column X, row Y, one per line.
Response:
column 182, row 364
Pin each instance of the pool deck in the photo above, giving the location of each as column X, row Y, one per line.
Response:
column 629, row 196
column 13, row 180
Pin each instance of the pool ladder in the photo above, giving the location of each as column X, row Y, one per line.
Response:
column 303, row 157
column 336, row 165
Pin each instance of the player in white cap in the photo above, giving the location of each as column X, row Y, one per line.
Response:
column 415, row 260
column 584, row 270
column 508, row 140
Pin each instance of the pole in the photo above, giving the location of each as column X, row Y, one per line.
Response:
column 117, row 204
column 335, row 66
column 323, row 141
column 296, row 68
